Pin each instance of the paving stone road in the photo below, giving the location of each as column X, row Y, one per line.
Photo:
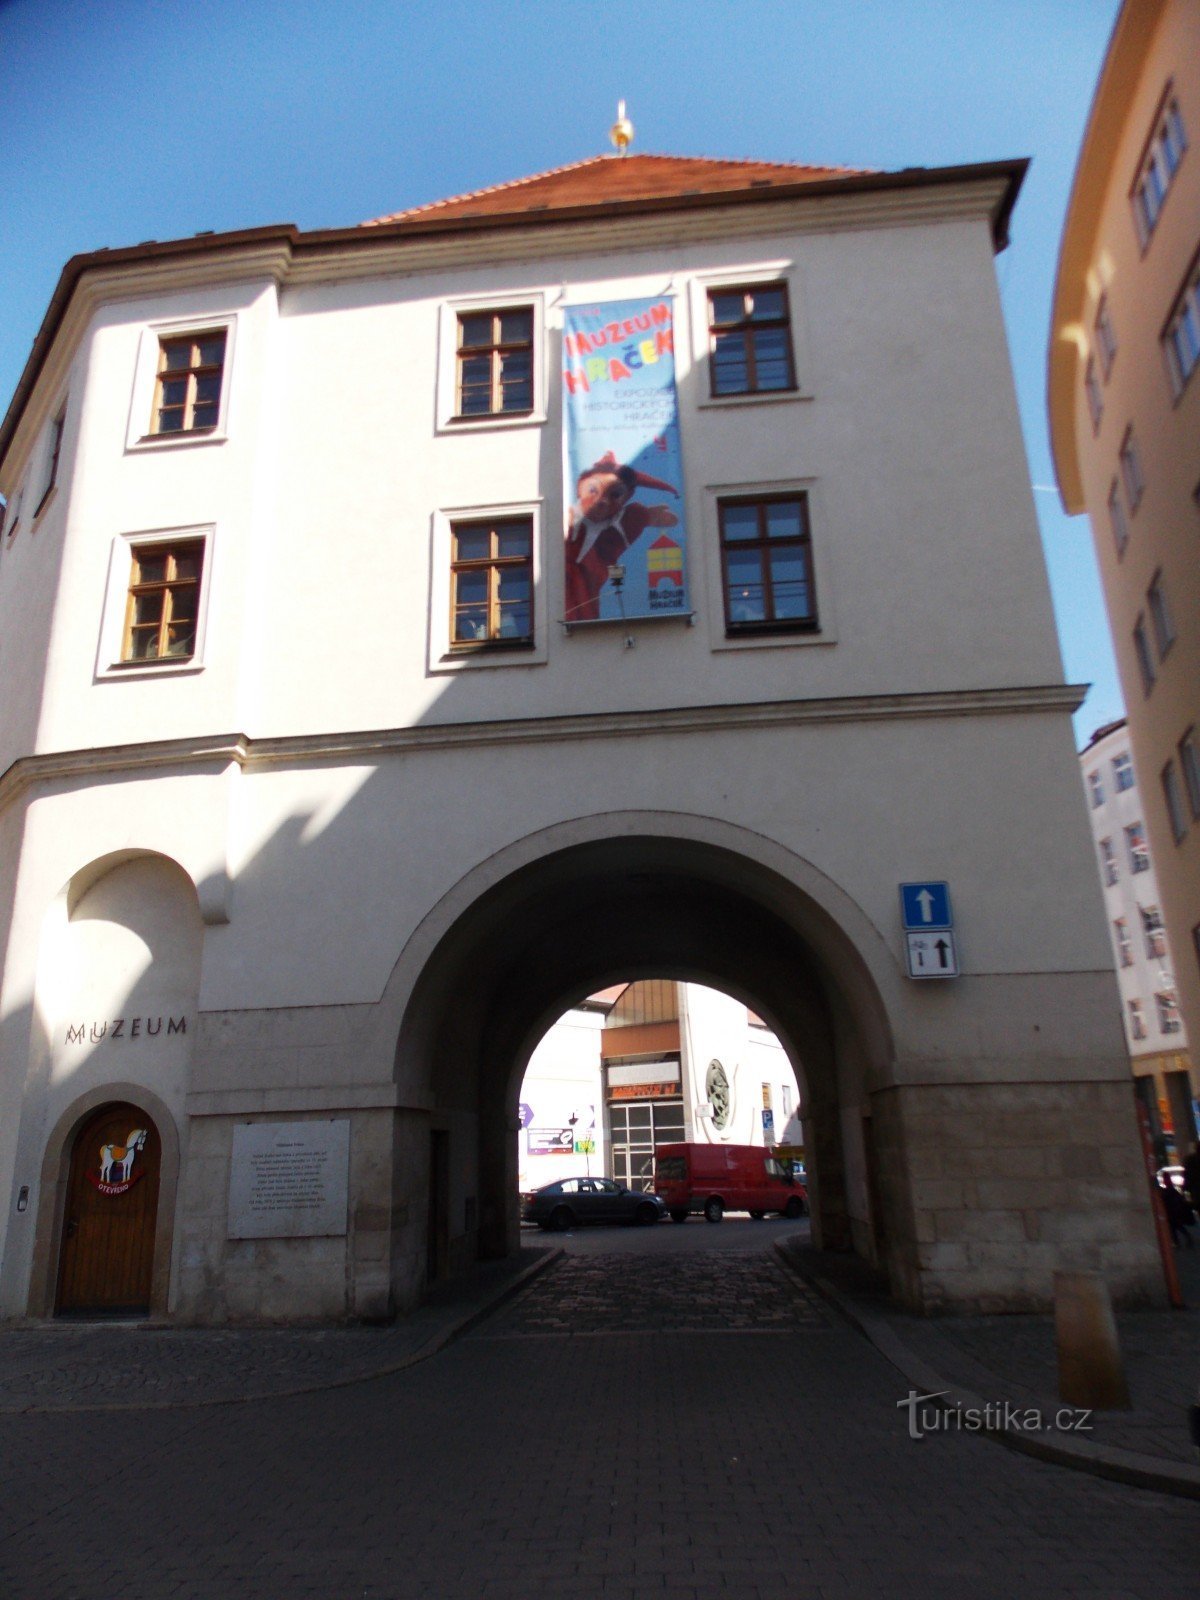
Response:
column 605, row 1436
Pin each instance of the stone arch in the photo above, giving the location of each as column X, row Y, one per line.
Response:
column 122, row 940
column 52, row 1191
column 602, row 899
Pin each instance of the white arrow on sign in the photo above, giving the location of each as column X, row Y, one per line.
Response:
column 925, row 901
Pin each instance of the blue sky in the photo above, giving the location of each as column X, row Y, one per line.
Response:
column 126, row 120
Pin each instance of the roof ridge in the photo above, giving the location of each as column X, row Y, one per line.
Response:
column 586, row 161
column 477, row 194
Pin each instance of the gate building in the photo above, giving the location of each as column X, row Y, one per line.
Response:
column 411, row 629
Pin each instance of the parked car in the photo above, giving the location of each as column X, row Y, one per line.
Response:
column 715, row 1178
column 571, row 1202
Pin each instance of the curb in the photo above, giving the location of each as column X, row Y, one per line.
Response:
column 436, row 1342
column 1102, row 1461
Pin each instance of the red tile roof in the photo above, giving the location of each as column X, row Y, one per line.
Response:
column 602, row 179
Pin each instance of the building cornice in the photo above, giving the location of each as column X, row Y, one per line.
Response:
column 218, row 751
column 1114, row 98
column 285, row 255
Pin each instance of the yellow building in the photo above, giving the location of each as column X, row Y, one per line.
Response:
column 1124, row 399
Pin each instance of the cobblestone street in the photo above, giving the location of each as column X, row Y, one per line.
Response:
column 697, row 1426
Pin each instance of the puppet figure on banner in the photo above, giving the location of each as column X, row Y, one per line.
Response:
column 622, row 462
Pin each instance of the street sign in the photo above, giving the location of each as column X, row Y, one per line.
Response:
column 931, row 955
column 926, row 905
column 768, row 1124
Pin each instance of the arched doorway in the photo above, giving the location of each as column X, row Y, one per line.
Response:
column 106, row 1254
column 619, row 909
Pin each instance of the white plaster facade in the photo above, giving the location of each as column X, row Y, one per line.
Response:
column 404, row 865
column 1155, row 1035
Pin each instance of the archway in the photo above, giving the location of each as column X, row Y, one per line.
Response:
column 614, row 909
column 106, row 1254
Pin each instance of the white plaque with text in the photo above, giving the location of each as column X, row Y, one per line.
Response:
column 289, row 1180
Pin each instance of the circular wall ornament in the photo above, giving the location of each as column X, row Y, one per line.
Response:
column 716, row 1087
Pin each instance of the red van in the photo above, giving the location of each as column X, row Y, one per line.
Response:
column 715, row 1178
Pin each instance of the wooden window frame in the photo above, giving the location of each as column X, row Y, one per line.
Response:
column 1160, row 616
column 764, row 544
column 1143, row 655
column 1189, row 766
column 493, row 564
column 1094, row 392
column 1166, row 1003
column 1173, row 801
column 1106, row 337
column 1185, row 308
column 1138, row 850
column 1118, row 520
column 1109, row 868
column 1154, row 933
column 191, row 374
column 1133, row 479
column 1137, row 1020
column 169, row 585
column 1167, row 121
column 1123, row 941
column 56, row 439
column 746, row 325
column 496, row 350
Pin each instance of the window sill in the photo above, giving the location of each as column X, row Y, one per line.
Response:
column 771, row 397
column 150, row 669
column 773, row 638
column 493, row 420
column 176, row 441
column 488, row 647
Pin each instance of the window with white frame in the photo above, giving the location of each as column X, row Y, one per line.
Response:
column 1124, row 944
column 1131, row 470
column 494, row 362
column 1122, row 765
column 1181, row 338
column 1139, row 850
column 1141, row 650
column 1189, row 765
column 1164, row 152
column 1095, row 395
column 1118, row 521
column 766, row 563
column 1168, row 1012
column 491, row 582
column 1160, row 615
column 188, row 379
column 1173, row 796
column 750, row 339
column 1108, row 863
column 1095, row 789
column 182, row 384
column 1155, row 933
column 157, row 601
column 1137, row 1020
column 1106, row 338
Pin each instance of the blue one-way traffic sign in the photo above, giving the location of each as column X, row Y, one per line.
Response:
column 926, row 905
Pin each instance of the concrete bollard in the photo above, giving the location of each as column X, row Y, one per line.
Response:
column 1090, row 1372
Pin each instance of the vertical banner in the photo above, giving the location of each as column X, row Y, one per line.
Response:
column 622, row 466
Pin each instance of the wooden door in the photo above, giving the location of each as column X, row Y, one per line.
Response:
column 107, row 1257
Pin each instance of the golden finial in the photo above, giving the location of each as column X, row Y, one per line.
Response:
column 621, row 132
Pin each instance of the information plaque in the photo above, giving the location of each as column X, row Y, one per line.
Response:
column 289, row 1180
